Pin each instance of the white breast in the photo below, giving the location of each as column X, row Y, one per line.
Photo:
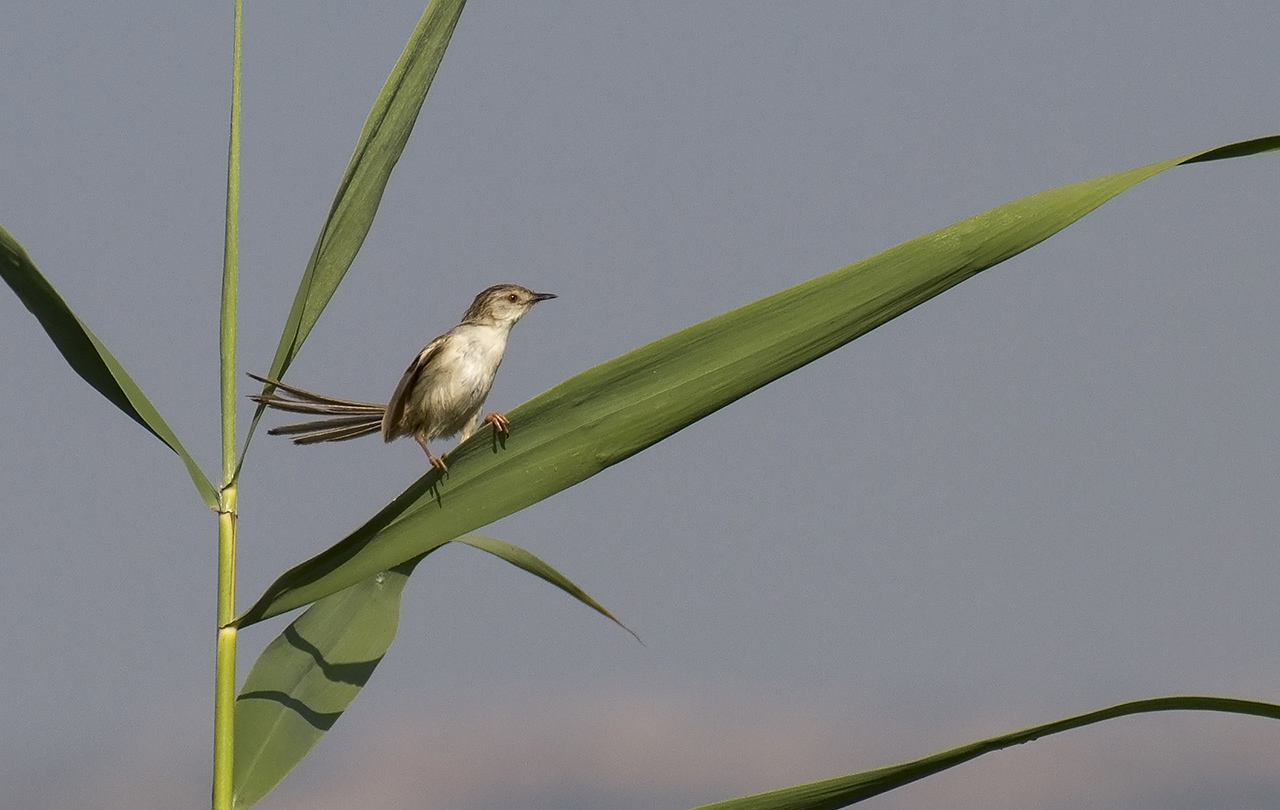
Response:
column 453, row 387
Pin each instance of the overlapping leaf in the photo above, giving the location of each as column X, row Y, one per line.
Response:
column 609, row 412
column 305, row 678
column 88, row 357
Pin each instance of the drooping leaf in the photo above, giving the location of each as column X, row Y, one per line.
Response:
column 610, row 412
column 526, row 561
column 305, row 679
column 843, row 791
column 88, row 357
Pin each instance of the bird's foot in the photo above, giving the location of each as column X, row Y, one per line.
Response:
column 499, row 422
column 436, row 461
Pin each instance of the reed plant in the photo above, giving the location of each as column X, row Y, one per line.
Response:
column 305, row 679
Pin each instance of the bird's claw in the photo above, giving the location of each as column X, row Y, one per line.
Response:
column 436, row 461
column 500, row 423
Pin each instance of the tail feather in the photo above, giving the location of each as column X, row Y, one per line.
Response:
column 321, row 425
column 338, row 434
column 351, row 419
column 294, row 406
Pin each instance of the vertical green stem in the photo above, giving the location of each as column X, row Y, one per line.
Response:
column 224, row 701
column 224, row 704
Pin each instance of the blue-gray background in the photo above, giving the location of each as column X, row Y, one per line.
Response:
column 1051, row 489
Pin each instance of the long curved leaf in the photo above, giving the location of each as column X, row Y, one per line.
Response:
column 610, row 412
column 843, row 791
column 88, row 357
column 307, row 676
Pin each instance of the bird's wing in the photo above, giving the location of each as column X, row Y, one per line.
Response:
column 396, row 406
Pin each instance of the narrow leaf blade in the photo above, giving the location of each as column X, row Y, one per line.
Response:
column 385, row 133
column 88, row 357
column 610, row 412
column 526, row 561
column 843, row 791
column 382, row 140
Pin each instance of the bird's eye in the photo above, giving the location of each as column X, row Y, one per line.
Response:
column 513, row 298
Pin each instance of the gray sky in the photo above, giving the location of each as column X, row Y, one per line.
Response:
column 1049, row 490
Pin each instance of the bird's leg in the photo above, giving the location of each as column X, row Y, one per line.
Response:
column 498, row 421
column 436, row 461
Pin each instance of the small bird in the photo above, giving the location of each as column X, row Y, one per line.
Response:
column 440, row 394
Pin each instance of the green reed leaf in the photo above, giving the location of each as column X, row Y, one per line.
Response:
column 843, row 791
column 308, row 675
column 88, row 357
column 608, row 413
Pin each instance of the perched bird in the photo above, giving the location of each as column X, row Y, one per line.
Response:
column 440, row 394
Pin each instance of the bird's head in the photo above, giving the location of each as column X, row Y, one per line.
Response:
column 503, row 305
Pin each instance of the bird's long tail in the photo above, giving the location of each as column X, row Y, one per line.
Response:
column 348, row 419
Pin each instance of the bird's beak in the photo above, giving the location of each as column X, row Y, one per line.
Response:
column 543, row 297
